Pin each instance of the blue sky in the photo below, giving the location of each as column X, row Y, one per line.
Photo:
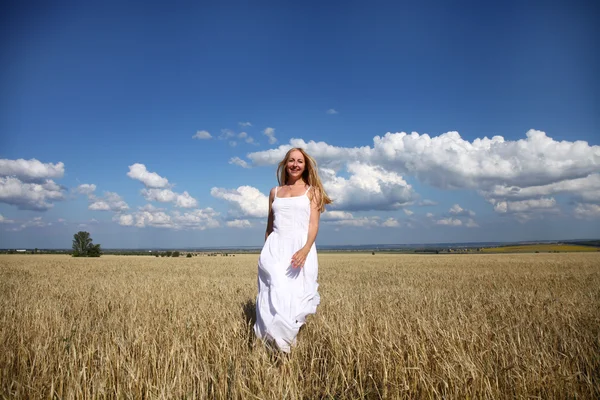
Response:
column 89, row 91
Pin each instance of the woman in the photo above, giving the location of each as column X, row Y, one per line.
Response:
column 288, row 266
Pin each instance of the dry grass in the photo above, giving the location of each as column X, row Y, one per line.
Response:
column 389, row 326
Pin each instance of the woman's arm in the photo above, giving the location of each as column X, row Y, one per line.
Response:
column 270, row 217
column 313, row 229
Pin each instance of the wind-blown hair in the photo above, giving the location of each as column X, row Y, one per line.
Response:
column 310, row 176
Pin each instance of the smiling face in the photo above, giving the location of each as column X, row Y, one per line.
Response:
column 295, row 165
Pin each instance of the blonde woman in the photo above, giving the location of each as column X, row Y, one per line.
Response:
column 288, row 266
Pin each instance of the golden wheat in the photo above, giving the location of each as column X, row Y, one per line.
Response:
column 389, row 326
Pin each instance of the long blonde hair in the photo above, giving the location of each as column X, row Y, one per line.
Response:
column 310, row 176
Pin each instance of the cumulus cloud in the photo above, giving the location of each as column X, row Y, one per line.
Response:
column 244, row 124
column 366, row 222
column 457, row 210
column 583, row 211
column 336, row 215
column 149, row 216
column 86, row 189
column 239, row 223
column 149, row 179
column 31, row 170
column 27, row 184
column 449, row 222
column 37, row 222
column 391, row 223
column 5, row 221
column 30, row 196
column 535, row 167
column 270, row 133
column 109, row 202
column 124, row 219
column 226, row 134
column 368, row 188
column 586, row 189
column 427, row 203
column 408, row 212
column 247, row 201
column 202, row 135
column 183, row 200
column 239, row 161
column 471, row 223
column 523, row 206
column 331, row 111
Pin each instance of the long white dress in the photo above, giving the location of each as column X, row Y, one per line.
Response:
column 286, row 295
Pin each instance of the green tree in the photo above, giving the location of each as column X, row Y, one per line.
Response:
column 175, row 254
column 83, row 245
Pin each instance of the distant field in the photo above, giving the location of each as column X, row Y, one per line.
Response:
column 494, row 326
column 542, row 248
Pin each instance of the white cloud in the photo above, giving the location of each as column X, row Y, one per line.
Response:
column 124, row 219
column 391, row 223
column 109, row 202
column 31, row 170
column 270, row 133
column 247, row 201
column 586, row 189
column 149, row 179
column 501, row 170
column 239, row 223
column 202, row 135
column 331, row 111
column 368, row 188
column 471, row 223
column 226, row 134
column 427, row 203
column 239, row 161
column 183, row 200
column 30, row 196
column 149, row 216
column 408, row 212
column 36, row 222
column 336, row 215
column 449, row 221
column 429, row 215
column 242, row 135
column 200, row 219
column 523, row 206
column 244, row 124
column 366, row 222
column 5, row 221
column 457, row 210
column 86, row 189
column 232, row 143
column 583, row 211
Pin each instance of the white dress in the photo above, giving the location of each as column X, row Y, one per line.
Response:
column 286, row 295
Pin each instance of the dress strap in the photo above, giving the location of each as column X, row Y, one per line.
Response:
column 276, row 187
column 307, row 190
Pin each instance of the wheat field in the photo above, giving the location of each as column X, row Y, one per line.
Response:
column 389, row 326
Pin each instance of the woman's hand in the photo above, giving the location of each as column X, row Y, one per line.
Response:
column 299, row 258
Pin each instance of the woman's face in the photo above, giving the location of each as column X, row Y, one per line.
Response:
column 295, row 164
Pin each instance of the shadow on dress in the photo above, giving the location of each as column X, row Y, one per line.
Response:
column 292, row 272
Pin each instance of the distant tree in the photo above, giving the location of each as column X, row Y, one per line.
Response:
column 169, row 253
column 156, row 254
column 83, row 245
column 175, row 254
column 189, row 255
